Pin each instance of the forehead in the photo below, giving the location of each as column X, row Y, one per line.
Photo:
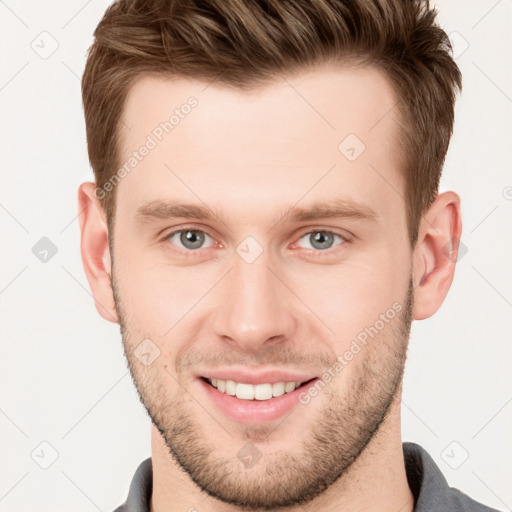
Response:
column 310, row 135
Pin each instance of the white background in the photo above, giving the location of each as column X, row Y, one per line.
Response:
column 63, row 375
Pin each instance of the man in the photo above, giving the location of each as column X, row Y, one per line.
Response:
column 264, row 225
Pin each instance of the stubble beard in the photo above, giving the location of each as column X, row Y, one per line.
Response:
column 341, row 426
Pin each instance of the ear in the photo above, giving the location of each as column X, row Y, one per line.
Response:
column 95, row 250
column 435, row 254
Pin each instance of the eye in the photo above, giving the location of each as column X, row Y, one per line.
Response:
column 322, row 240
column 191, row 239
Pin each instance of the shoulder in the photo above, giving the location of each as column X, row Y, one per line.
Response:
column 430, row 488
column 140, row 491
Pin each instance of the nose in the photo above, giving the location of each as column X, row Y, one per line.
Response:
column 255, row 306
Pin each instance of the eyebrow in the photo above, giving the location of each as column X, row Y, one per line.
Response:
column 333, row 208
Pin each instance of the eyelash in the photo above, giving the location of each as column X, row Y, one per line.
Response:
column 319, row 253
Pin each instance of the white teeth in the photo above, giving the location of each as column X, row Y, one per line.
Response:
column 230, row 387
column 253, row 392
column 289, row 386
column 278, row 389
column 263, row 391
column 245, row 391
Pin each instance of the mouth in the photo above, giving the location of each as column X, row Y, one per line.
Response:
column 255, row 392
column 251, row 397
column 254, row 403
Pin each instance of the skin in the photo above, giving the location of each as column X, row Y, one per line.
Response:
column 250, row 157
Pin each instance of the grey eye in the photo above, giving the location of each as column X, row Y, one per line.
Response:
column 321, row 240
column 190, row 239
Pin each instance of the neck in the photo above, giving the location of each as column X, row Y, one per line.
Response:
column 376, row 480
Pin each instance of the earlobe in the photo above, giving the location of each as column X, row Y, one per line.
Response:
column 435, row 254
column 95, row 250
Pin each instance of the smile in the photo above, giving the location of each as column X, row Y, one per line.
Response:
column 244, row 391
column 254, row 403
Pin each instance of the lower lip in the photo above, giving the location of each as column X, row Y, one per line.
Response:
column 255, row 411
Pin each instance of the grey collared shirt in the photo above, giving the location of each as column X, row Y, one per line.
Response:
column 428, row 486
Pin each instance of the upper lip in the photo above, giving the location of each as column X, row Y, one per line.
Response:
column 267, row 376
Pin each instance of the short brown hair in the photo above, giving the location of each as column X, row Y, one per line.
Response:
column 245, row 43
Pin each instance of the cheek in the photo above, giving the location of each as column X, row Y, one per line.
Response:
column 163, row 302
column 153, row 294
column 157, row 303
column 352, row 297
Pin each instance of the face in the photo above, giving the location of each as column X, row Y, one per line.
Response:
column 294, row 266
